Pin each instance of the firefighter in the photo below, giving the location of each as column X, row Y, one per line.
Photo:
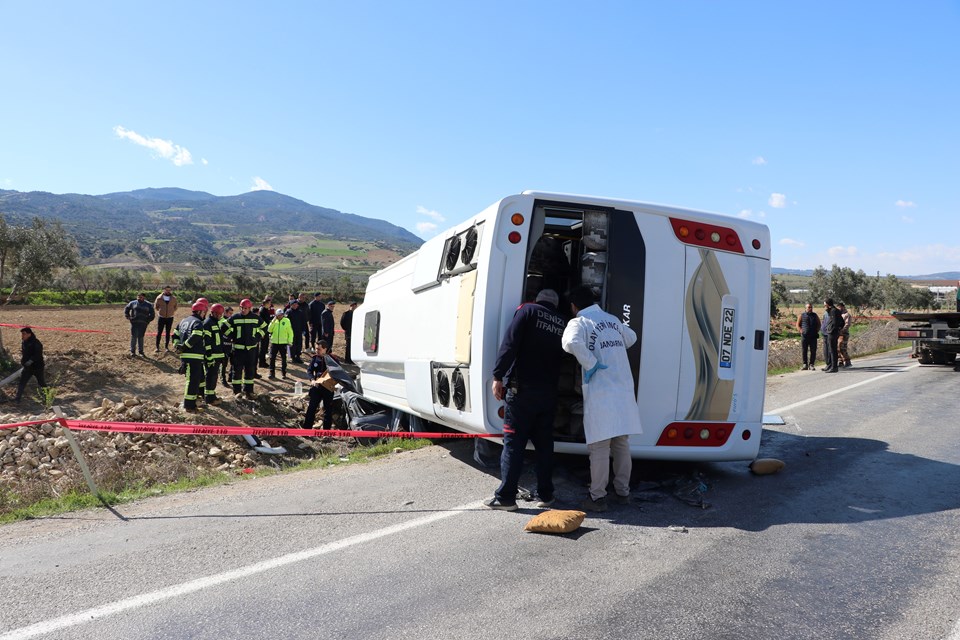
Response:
column 188, row 338
column 215, row 352
column 226, row 371
column 245, row 332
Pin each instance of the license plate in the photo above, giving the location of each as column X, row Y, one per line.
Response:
column 727, row 325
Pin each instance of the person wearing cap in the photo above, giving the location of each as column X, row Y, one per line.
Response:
column 298, row 322
column 346, row 323
column 599, row 342
column 140, row 313
column 165, row 305
column 314, row 312
column 281, row 337
column 189, row 338
column 31, row 359
column 326, row 324
column 526, row 376
column 245, row 332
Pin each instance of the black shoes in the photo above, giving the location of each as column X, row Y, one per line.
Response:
column 494, row 503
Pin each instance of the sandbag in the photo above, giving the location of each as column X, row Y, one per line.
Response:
column 556, row 521
column 766, row 466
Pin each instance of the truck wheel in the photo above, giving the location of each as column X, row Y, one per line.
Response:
column 925, row 357
column 939, row 357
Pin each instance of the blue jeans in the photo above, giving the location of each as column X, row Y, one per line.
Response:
column 528, row 418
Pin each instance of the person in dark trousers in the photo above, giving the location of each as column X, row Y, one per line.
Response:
column 245, row 332
column 314, row 311
column 189, row 337
column 215, row 357
column 830, row 328
column 31, row 359
column 298, row 322
column 346, row 323
column 526, row 375
column 281, row 337
column 321, row 362
column 808, row 324
column 226, row 371
column 165, row 305
column 326, row 324
column 140, row 313
column 266, row 313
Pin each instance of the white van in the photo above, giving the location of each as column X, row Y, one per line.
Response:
column 694, row 286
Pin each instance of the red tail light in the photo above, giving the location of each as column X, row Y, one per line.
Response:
column 707, row 235
column 695, row 434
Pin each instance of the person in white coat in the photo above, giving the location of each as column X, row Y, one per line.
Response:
column 610, row 412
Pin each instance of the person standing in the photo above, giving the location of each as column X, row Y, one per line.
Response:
column 31, row 359
column 323, row 361
column 808, row 324
column 830, row 328
column 226, row 371
column 140, row 313
column 189, row 337
column 526, row 374
column 266, row 313
column 843, row 339
column 215, row 355
column 281, row 337
column 346, row 323
column 314, row 311
column 326, row 324
column 166, row 306
column 245, row 332
column 298, row 322
column 599, row 342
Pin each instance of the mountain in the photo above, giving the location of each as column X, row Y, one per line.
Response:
column 170, row 227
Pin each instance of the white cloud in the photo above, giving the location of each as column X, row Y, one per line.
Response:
column 435, row 215
column 164, row 148
column 748, row 214
column 907, row 219
column 426, row 228
column 760, row 160
column 259, row 184
column 907, row 204
column 790, row 242
column 777, row 200
column 842, row 252
column 204, row 161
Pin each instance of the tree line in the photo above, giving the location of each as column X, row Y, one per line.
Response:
column 859, row 291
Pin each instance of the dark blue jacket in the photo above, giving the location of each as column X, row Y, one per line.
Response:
column 530, row 352
column 139, row 312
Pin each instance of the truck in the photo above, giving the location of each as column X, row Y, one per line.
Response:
column 695, row 286
column 935, row 335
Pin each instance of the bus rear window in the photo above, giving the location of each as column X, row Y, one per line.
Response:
column 371, row 332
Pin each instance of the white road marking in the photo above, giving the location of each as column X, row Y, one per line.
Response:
column 790, row 407
column 193, row 586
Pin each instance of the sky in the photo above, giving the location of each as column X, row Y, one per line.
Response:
column 836, row 124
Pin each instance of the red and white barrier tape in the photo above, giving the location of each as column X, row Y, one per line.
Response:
column 219, row 430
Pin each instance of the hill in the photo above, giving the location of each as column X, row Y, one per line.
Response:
column 171, row 229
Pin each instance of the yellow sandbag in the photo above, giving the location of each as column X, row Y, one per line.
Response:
column 556, row 521
column 766, row 466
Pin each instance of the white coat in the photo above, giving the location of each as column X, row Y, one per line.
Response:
column 609, row 401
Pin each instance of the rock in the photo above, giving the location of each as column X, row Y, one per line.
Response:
column 131, row 401
column 224, row 467
column 106, row 404
column 214, row 452
column 56, row 473
column 135, row 414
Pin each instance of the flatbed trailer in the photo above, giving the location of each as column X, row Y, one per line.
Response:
column 935, row 335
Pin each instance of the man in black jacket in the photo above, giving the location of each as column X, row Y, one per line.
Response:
column 832, row 324
column 298, row 323
column 140, row 313
column 808, row 324
column 529, row 362
column 346, row 323
column 31, row 359
column 326, row 324
column 314, row 311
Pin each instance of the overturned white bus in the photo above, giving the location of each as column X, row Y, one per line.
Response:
column 694, row 286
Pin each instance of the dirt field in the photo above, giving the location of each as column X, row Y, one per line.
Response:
column 87, row 367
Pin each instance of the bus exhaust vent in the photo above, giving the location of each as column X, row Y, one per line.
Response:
column 453, row 254
column 459, row 390
column 469, row 246
column 442, row 388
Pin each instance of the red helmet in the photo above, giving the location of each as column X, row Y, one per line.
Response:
column 246, row 304
column 217, row 310
column 200, row 305
column 203, row 300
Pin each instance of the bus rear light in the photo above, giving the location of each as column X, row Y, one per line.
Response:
column 708, row 235
column 908, row 333
column 695, row 434
column 514, row 237
column 517, row 219
column 756, row 244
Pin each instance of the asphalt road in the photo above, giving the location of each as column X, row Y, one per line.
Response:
column 857, row 537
